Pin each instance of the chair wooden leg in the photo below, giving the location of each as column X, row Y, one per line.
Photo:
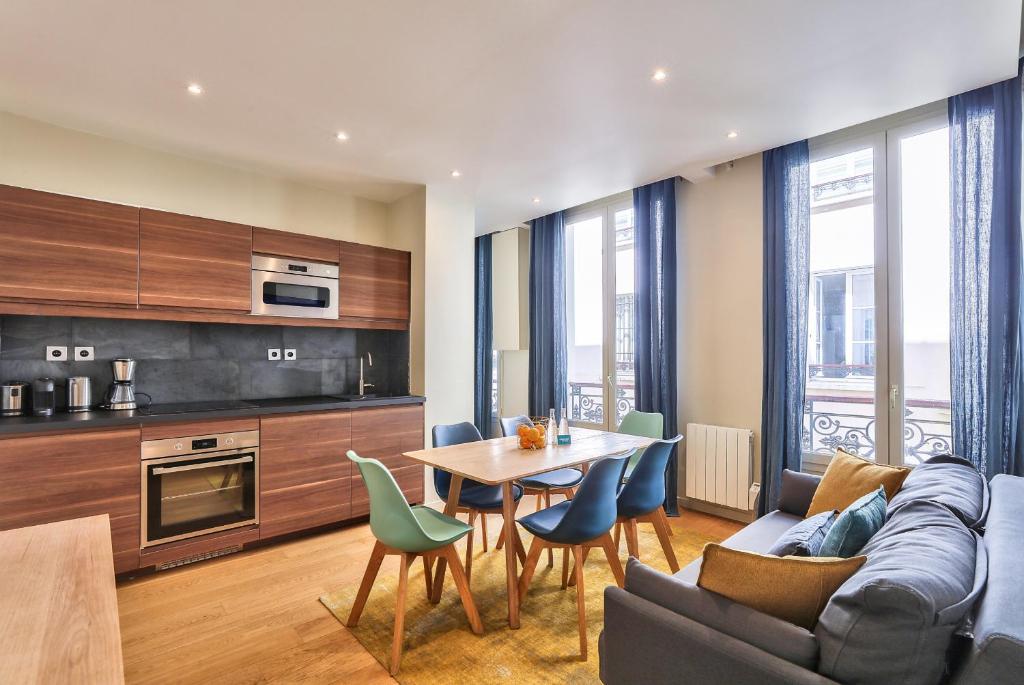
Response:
column 613, row 559
column 469, row 545
column 565, row 566
column 632, row 543
column 661, row 527
column 403, row 588
column 540, row 500
column 569, row 493
column 462, row 584
column 572, row 578
column 551, row 552
column 483, row 531
column 520, row 548
column 529, row 566
column 501, row 540
column 618, row 534
column 372, row 567
column 668, row 526
column 581, row 604
column 428, row 575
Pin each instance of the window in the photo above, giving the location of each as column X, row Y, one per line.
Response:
column 878, row 327
column 599, row 304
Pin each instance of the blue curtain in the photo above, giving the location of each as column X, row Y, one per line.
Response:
column 549, row 373
column 786, row 238
column 483, row 337
column 985, row 331
column 654, row 211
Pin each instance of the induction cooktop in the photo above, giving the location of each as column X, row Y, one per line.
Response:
column 190, row 407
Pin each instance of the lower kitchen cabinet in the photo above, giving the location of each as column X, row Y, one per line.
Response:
column 305, row 477
column 384, row 433
column 53, row 477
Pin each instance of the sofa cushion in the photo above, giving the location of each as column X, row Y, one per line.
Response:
column 797, row 492
column 997, row 653
column 785, row 640
column 892, row 620
column 805, row 538
column 794, row 589
column 849, row 477
column 759, row 536
column 951, row 481
column 855, row 526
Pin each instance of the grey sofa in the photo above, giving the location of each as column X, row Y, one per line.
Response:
column 940, row 599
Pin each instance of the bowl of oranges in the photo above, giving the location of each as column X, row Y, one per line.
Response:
column 532, row 437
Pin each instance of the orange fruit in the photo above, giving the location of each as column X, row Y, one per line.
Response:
column 521, row 431
column 524, row 443
column 532, row 433
column 539, row 443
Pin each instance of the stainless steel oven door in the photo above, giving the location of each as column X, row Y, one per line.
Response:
column 201, row 493
column 276, row 293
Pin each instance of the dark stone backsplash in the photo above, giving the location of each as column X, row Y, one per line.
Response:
column 194, row 362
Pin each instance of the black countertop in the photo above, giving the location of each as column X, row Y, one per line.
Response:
column 64, row 421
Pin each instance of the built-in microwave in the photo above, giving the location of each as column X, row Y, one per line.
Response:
column 285, row 287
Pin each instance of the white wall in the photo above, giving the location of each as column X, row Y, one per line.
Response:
column 38, row 155
column 406, row 220
column 719, row 288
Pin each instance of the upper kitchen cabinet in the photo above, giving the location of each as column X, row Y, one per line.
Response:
column 61, row 249
column 186, row 261
column 374, row 283
column 295, row 245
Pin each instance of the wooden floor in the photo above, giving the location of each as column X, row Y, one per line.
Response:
column 254, row 617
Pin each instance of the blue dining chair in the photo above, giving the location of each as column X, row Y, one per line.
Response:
column 543, row 485
column 475, row 498
column 642, row 498
column 578, row 525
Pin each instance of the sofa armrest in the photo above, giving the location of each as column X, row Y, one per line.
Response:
column 797, row 492
column 646, row 643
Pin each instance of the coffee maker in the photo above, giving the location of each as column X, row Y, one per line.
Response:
column 121, row 394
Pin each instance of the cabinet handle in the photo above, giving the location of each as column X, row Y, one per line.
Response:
column 161, row 470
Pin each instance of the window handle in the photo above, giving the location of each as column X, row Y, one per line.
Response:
column 894, row 395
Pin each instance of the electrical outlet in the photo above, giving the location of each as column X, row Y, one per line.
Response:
column 273, row 354
column 84, row 354
column 56, row 353
column 290, row 355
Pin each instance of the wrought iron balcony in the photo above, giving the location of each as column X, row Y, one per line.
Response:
column 849, row 423
column 586, row 401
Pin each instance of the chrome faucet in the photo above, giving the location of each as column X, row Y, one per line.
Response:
column 363, row 385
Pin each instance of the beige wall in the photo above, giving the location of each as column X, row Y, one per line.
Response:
column 719, row 287
column 406, row 220
column 37, row 155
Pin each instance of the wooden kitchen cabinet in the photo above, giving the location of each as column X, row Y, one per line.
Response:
column 54, row 477
column 384, row 433
column 374, row 283
column 305, row 477
column 60, row 249
column 295, row 245
column 187, row 261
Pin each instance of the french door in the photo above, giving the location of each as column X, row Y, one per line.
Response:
column 879, row 290
column 599, row 313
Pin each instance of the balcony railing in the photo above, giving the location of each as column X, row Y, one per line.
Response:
column 849, row 423
column 586, row 401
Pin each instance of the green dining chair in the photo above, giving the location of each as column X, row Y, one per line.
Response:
column 645, row 425
column 407, row 532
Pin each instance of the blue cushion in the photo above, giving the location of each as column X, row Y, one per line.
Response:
column 542, row 522
column 559, row 478
column 805, row 538
column 855, row 526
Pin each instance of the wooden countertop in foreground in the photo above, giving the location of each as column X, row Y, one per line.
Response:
column 58, row 604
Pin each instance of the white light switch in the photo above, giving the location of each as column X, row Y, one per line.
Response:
column 56, row 353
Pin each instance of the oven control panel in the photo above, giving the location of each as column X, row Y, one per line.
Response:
column 199, row 444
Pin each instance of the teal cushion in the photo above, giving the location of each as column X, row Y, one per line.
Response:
column 855, row 526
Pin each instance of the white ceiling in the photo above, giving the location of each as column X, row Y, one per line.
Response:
column 525, row 97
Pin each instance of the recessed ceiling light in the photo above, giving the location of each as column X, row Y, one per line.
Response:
column 731, row 134
column 456, row 173
column 195, row 89
column 659, row 75
column 536, row 200
column 342, row 136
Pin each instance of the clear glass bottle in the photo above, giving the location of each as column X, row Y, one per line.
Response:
column 563, row 428
column 552, row 428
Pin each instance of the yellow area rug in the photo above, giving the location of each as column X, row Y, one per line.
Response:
column 440, row 648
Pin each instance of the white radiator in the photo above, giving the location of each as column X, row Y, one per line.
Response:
column 720, row 465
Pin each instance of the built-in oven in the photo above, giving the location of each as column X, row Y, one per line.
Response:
column 285, row 287
column 199, row 484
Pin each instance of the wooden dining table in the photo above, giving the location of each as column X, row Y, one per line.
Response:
column 500, row 462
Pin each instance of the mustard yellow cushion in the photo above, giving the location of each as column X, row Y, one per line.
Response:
column 849, row 477
column 794, row 589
